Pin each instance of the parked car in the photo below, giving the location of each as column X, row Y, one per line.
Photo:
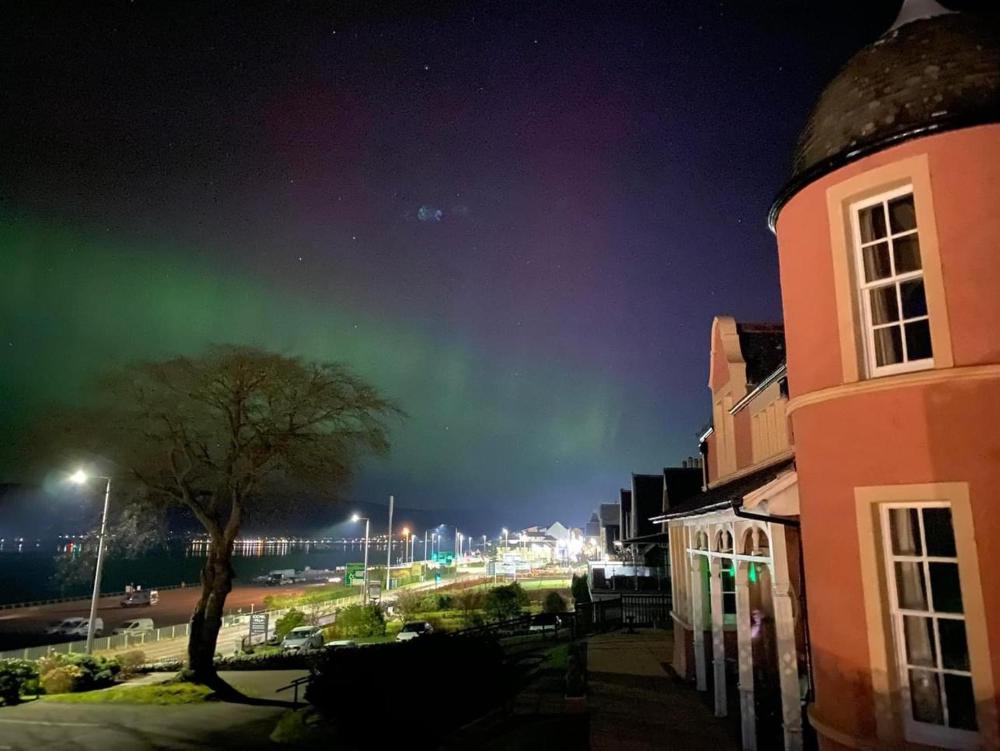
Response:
column 140, row 598
column 341, row 644
column 135, row 627
column 302, row 638
column 77, row 627
column 414, row 630
column 545, row 622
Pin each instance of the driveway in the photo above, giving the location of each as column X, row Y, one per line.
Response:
column 121, row 727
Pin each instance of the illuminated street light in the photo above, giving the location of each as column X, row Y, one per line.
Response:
column 364, row 579
column 80, row 478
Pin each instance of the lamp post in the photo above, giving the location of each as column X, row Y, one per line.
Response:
column 426, row 534
column 484, row 547
column 388, row 552
column 80, row 478
column 406, row 545
column 458, row 546
column 364, row 578
column 413, row 545
column 434, row 538
column 506, row 545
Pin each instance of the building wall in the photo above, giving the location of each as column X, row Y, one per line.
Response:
column 934, row 431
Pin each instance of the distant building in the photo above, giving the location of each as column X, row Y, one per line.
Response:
column 610, row 515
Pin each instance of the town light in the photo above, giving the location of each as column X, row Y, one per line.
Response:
column 78, row 478
column 355, row 518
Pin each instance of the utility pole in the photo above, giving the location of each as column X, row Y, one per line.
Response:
column 388, row 555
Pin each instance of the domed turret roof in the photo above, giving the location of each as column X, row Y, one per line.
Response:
column 922, row 76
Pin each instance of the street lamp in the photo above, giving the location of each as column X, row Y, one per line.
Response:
column 506, row 546
column 364, row 578
column 80, row 478
column 484, row 546
column 406, row 539
column 413, row 545
column 458, row 546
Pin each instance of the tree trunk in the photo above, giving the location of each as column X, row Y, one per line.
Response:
column 216, row 583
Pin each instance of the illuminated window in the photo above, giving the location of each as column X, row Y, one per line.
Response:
column 932, row 652
column 895, row 320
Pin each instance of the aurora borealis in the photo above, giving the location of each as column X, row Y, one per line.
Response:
column 517, row 219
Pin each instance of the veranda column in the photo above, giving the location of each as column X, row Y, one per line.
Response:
column 718, row 639
column 698, row 620
column 784, row 626
column 748, row 716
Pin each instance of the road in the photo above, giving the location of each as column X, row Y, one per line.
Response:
column 25, row 627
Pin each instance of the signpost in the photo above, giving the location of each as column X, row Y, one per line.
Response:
column 258, row 625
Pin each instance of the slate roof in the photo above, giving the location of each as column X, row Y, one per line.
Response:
column 680, row 484
column 609, row 514
column 763, row 349
column 926, row 76
column 647, row 499
column 720, row 496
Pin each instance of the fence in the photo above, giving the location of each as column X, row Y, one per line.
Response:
column 624, row 609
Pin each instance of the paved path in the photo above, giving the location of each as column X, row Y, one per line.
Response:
column 122, row 727
column 635, row 705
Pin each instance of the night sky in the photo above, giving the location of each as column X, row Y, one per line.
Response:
column 518, row 219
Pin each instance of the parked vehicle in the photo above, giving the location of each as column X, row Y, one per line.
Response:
column 76, row 627
column 342, row 644
column 135, row 627
column 140, row 598
column 302, row 638
column 414, row 630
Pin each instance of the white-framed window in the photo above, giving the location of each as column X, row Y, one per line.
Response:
column 928, row 625
column 894, row 316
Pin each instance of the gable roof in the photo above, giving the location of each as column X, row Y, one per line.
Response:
column 679, row 484
column 609, row 514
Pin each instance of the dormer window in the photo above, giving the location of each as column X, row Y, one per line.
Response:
column 890, row 280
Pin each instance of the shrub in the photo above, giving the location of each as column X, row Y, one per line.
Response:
column 409, row 604
column 130, row 662
column 554, row 603
column 579, row 588
column 78, row 672
column 469, row 603
column 504, row 603
column 358, row 621
column 291, row 619
column 63, row 679
column 17, row 677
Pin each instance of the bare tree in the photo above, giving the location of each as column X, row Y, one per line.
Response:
column 214, row 433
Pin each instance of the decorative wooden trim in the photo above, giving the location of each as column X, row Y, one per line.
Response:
column 918, row 378
column 751, row 468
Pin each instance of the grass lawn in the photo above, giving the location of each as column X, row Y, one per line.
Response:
column 557, row 658
column 158, row 693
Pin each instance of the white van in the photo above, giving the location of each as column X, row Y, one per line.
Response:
column 77, row 627
column 135, row 627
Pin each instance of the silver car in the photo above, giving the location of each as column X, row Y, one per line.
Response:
column 303, row 638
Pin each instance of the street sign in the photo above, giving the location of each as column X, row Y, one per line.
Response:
column 258, row 624
column 354, row 574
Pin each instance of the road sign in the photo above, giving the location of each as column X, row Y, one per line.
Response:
column 258, row 624
column 354, row 574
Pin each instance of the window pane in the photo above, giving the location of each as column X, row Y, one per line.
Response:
column 910, row 587
column 961, row 702
column 918, row 340
column 945, row 587
column 925, row 697
column 954, row 648
column 938, row 531
column 919, row 635
column 902, row 216
column 872, row 221
column 914, row 301
column 876, row 259
column 885, row 308
column 905, row 529
column 729, row 604
column 888, row 346
column 907, row 254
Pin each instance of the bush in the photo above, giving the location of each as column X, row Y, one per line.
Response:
column 504, row 603
column 17, row 677
column 579, row 588
column 469, row 603
column 358, row 621
column 409, row 604
column 62, row 672
column 130, row 663
column 64, row 679
column 554, row 603
column 291, row 619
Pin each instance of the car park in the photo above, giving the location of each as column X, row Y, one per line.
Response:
column 414, row 630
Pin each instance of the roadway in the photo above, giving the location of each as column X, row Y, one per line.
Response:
column 25, row 627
